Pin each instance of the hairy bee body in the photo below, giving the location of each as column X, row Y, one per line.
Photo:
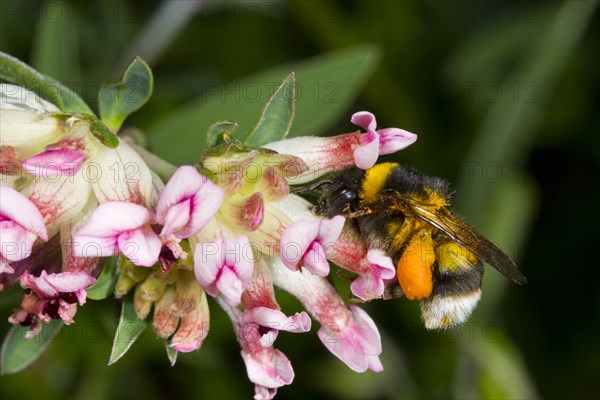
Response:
column 406, row 214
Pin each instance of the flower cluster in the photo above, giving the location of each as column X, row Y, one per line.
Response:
column 228, row 228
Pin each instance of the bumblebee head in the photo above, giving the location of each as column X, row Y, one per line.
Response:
column 340, row 194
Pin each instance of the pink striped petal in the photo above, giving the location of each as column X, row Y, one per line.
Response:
column 295, row 242
column 176, row 217
column 304, row 244
column 54, row 162
column 392, row 140
column 315, row 260
column 204, row 197
column 224, row 267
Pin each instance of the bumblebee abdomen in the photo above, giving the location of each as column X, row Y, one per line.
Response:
column 457, row 278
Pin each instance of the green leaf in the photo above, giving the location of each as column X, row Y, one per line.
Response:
column 17, row 352
column 119, row 99
column 171, row 354
column 278, row 115
column 129, row 330
column 326, row 86
column 220, row 132
column 14, row 71
column 106, row 282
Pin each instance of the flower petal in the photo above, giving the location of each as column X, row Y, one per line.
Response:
column 121, row 175
column 38, row 284
column 141, row 246
column 357, row 344
column 365, row 120
column 16, row 242
column 371, row 285
column 275, row 319
column 112, row 218
column 238, row 253
column 13, row 97
column 193, row 328
column 230, row 286
column 315, row 260
column 271, row 370
column 392, row 140
column 205, row 199
column 177, row 217
column 70, row 282
column 365, row 156
column 208, row 261
column 59, row 162
column 59, row 198
column 330, row 230
column 296, row 241
column 15, row 206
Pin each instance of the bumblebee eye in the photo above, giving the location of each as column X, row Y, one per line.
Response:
column 343, row 194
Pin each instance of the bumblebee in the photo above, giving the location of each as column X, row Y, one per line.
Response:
column 406, row 214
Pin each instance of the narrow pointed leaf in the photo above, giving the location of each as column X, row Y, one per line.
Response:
column 15, row 71
column 119, row 99
column 326, row 86
column 129, row 330
column 55, row 49
column 220, row 132
column 277, row 117
column 17, row 352
column 171, row 354
column 106, row 282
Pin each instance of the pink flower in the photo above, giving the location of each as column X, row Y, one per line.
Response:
column 224, row 267
column 326, row 154
column 188, row 202
column 268, row 369
column 350, row 335
column 373, row 267
column 371, row 284
column 21, row 224
column 52, row 296
column 270, row 322
column 378, row 142
column 303, row 244
column 118, row 227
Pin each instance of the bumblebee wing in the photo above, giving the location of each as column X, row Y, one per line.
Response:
column 447, row 222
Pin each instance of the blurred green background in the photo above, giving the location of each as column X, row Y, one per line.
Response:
column 504, row 97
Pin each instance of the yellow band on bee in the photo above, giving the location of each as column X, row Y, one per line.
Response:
column 374, row 181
